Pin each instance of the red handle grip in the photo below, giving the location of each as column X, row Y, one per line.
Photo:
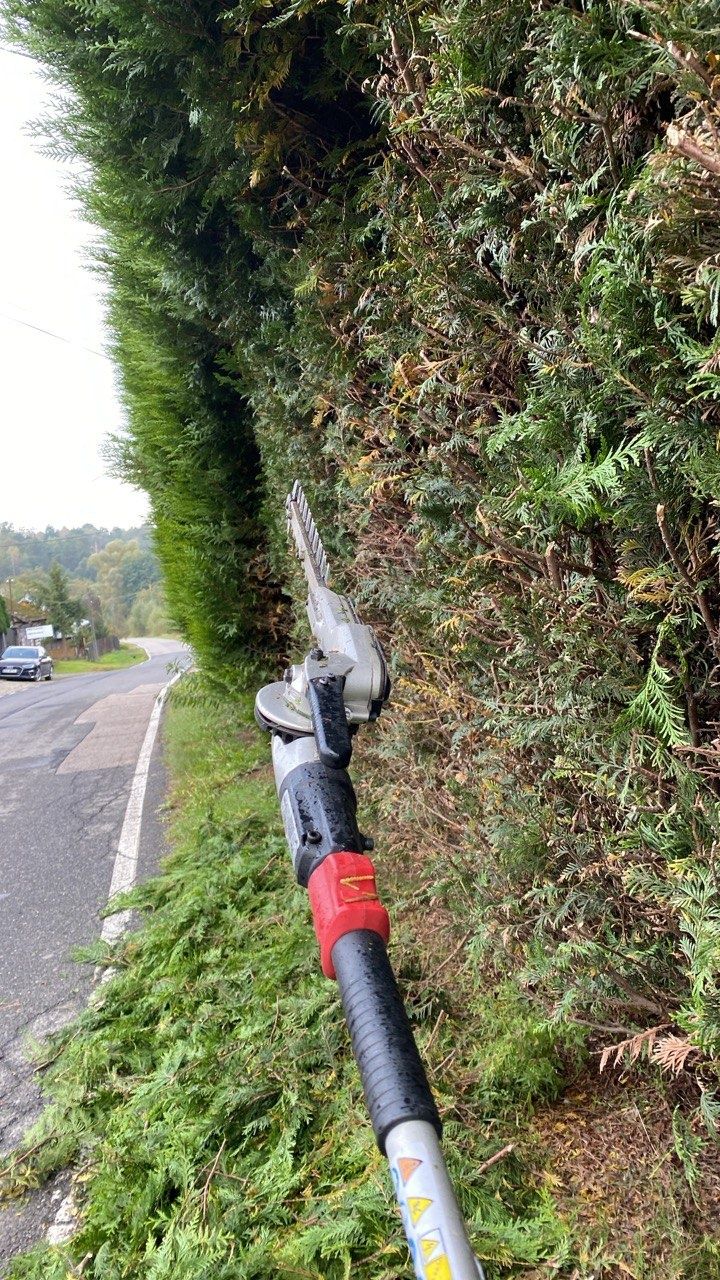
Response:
column 343, row 897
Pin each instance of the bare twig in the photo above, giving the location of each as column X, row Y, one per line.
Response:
column 511, row 160
column 493, row 539
column 182, row 186
column 692, row 583
column 403, row 66
column 697, row 591
column 613, row 1028
column 680, row 140
column 612, row 153
column 692, row 713
column 442, row 1016
column 499, row 1155
column 413, row 158
column 211, row 1175
column 446, row 961
column 298, row 182
column 23, row 1155
column 553, row 567
column 689, row 61
column 671, row 548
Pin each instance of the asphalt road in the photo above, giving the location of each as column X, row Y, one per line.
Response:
column 68, row 751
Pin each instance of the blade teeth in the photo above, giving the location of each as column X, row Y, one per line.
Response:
column 297, row 498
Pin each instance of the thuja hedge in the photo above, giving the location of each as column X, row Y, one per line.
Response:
column 457, row 267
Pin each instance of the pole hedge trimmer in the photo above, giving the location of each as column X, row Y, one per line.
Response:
column 313, row 715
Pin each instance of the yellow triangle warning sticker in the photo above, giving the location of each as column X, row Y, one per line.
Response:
column 439, row 1269
column 417, row 1206
column 429, row 1244
column 407, row 1167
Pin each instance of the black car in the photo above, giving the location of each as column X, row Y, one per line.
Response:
column 26, row 662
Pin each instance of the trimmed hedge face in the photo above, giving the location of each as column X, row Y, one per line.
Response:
column 459, row 271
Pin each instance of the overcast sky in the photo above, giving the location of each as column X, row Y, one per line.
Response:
column 57, row 397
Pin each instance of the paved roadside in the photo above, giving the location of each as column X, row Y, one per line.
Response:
column 68, row 751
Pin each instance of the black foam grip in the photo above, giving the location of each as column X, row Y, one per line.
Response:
column 392, row 1073
column 329, row 721
column 322, row 803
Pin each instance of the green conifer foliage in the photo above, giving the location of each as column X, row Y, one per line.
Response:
column 63, row 611
column 456, row 267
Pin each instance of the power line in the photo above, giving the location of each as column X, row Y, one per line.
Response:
column 71, row 342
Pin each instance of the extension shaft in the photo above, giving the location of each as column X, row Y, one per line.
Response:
column 402, row 1109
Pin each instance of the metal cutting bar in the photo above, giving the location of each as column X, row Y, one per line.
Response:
column 308, row 542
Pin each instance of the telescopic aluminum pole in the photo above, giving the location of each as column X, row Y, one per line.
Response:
column 318, row 806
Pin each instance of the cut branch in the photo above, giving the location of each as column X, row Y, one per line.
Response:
column 682, row 141
column 697, row 591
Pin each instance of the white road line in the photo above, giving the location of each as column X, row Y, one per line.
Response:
column 123, row 878
column 143, row 647
column 64, row 1222
column 126, row 860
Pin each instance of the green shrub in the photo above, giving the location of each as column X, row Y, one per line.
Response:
column 208, row 1098
column 456, row 267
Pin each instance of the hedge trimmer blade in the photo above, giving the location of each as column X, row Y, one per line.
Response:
column 311, row 552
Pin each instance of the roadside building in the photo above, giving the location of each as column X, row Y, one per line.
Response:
column 28, row 625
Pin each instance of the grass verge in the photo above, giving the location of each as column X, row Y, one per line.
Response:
column 208, row 1101
column 128, row 655
column 207, row 1098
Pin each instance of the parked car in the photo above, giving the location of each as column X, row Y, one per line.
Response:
column 26, row 662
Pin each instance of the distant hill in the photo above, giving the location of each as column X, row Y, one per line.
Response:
column 27, row 550
column 112, row 575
